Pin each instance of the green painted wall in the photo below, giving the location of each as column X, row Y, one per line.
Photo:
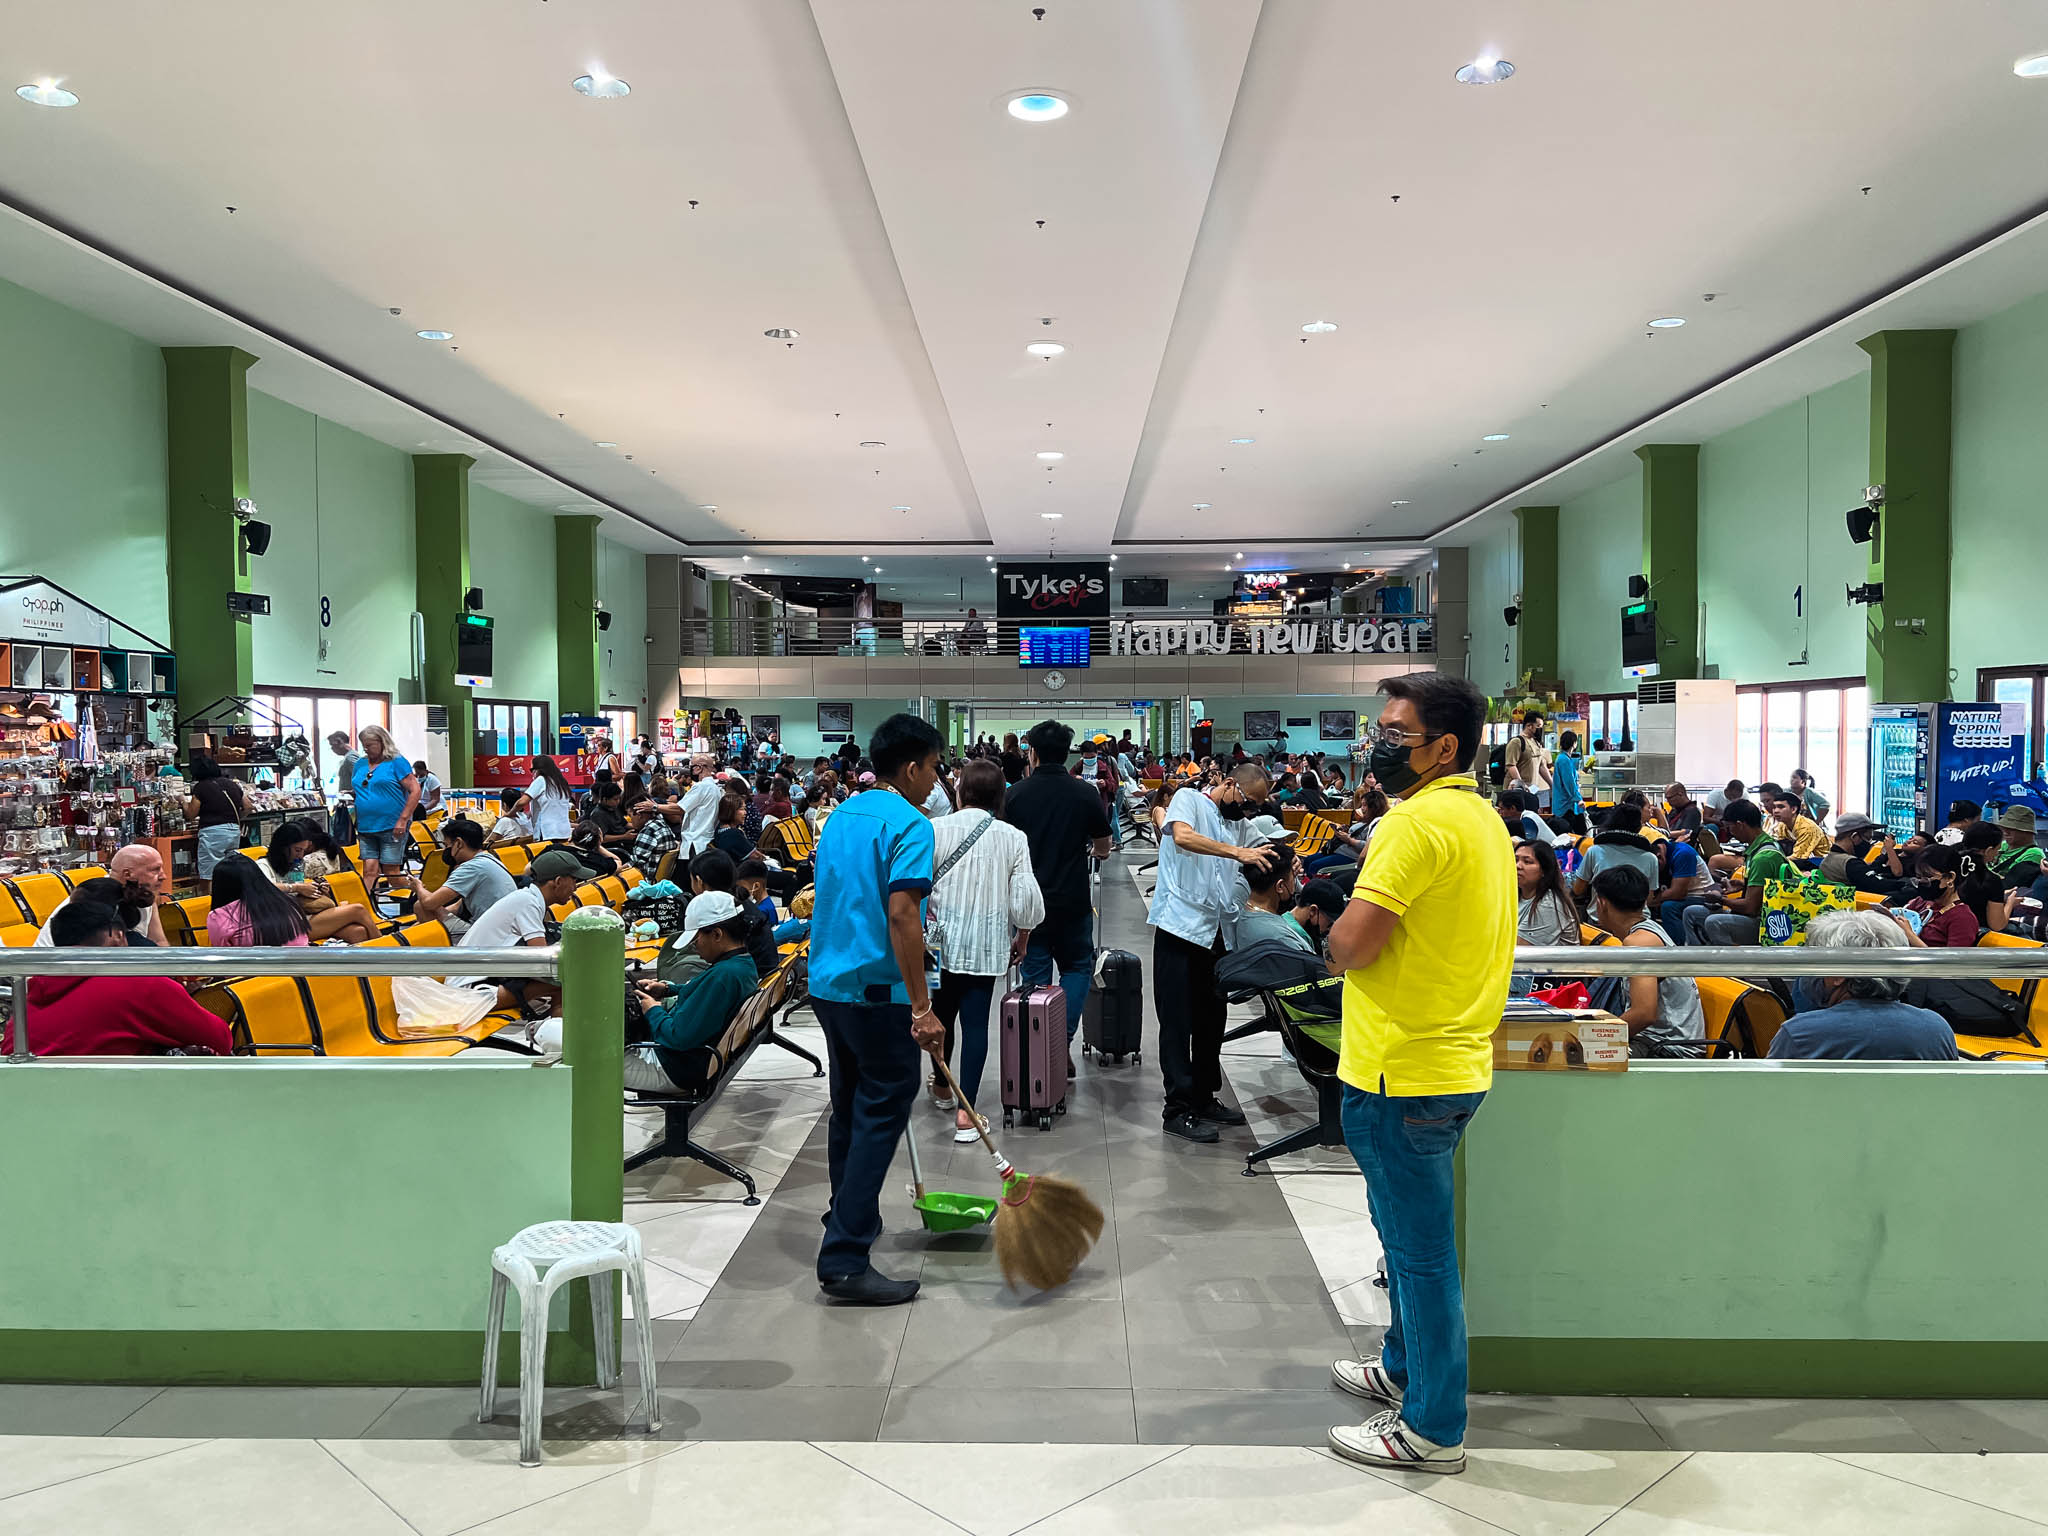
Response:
column 1703, row 1210
column 347, row 535
column 512, row 557
column 1772, row 498
column 622, row 649
column 1999, row 533
column 800, row 720
column 82, row 483
column 1599, row 546
column 273, row 1195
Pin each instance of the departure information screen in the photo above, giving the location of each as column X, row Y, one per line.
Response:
column 1045, row 647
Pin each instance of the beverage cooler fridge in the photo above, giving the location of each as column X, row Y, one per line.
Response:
column 1924, row 756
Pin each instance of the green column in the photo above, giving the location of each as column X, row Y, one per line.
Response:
column 593, row 957
column 1536, row 533
column 1671, row 552
column 206, row 421
column 576, row 654
column 440, row 516
column 1911, row 410
column 723, row 641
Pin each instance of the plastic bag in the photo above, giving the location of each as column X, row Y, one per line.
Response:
column 1572, row 994
column 1790, row 905
column 430, row 1007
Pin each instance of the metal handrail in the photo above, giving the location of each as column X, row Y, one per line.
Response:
column 1997, row 964
column 18, row 965
column 942, row 634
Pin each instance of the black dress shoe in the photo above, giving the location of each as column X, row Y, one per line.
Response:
column 868, row 1289
column 1219, row 1113
column 1188, row 1128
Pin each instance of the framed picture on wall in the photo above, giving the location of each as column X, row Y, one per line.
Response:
column 764, row 725
column 1337, row 725
column 835, row 719
column 1261, row 724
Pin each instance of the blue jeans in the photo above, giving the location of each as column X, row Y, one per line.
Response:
column 962, row 1004
column 1405, row 1149
column 1671, row 915
column 1065, row 939
column 876, row 1067
column 215, row 844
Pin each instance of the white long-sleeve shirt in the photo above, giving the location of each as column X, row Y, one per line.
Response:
column 985, row 898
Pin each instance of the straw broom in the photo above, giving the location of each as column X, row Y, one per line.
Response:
column 1046, row 1225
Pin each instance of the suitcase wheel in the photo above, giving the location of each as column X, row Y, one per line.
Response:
column 1044, row 1120
column 1009, row 1119
column 1060, row 1108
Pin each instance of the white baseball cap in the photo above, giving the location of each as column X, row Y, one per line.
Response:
column 707, row 911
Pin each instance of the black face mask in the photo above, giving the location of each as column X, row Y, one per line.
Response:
column 1234, row 810
column 1930, row 889
column 1390, row 765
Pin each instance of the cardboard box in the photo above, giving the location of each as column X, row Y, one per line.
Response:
column 1587, row 1042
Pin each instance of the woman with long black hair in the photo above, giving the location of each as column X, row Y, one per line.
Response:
column 1547, row 915
column 249, row 912
column 548, row 799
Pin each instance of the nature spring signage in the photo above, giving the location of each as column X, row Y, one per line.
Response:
column 1203, row 637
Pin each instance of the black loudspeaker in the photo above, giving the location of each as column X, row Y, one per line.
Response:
column 1638, row 587
column 255, row 536
column 473, row 599
column 604, row 619
column 1513, row 614
column 1862, row 524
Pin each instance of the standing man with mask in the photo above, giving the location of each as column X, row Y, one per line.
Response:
column 1200, row 846
column 1426, row 944
column 867, row 982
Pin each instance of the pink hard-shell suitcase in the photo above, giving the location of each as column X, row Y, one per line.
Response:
column 1033, row 1030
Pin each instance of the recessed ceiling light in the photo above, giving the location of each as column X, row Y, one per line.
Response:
column 991, row 559
column 1045, row 349
column 1202, row 506
column 435, row 335
column 1319, row 328
column 871, row 443
column 1494, row 437
column 1238, row 556
column 899, row 509
column 780, row 333
column 1038, row 107
column 1052, row 517
column 1667, row 323
column 1400, row 503
column 1050, row 454
column 714, row 509
column 1239, row 442
column 46, row 93
column 1485, row 70
column 2032, row 66
column 601, row 85
column 1112, row 559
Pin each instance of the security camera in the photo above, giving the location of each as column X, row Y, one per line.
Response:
column 1870, row 592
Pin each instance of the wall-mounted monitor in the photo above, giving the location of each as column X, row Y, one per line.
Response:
column 1145, row 592
column 473, row 635
column 835, row 720
column 1337, row 724
column 1048, row 646
column 1639, row 639
column 1261, row 724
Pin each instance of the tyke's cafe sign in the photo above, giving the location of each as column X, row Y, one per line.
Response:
column 1052, row 590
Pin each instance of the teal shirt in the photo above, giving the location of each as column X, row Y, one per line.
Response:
column 705, row 1004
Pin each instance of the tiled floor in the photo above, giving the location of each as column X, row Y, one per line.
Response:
column 1179, row 1384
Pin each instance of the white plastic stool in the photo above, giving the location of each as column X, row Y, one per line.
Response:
column 540, row 1261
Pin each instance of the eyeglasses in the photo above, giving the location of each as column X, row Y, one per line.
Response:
column 1394, row 736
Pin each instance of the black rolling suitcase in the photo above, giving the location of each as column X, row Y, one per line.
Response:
column 1113, row 1022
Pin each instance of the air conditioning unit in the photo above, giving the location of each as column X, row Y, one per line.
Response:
column 1685, row 733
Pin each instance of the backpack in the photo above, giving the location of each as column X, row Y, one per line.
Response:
column 1497, row 764
column 1971, row 1007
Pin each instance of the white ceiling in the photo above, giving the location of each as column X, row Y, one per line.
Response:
column 1228, row 172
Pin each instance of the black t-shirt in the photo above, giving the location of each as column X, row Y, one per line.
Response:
column 220, row 802
column 1014, row 767
column 735, row 843
column 1059, row 816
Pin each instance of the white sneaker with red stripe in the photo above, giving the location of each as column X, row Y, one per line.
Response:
column 1367, row 1379
column 1384, row 1441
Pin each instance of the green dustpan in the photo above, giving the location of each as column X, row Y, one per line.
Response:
column 943, row 1211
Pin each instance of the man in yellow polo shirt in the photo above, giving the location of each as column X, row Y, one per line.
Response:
column 1426, row 945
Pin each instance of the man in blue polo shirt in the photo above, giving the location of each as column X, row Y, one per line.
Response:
column 867, row 984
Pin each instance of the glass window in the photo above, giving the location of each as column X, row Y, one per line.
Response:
column 1822, row 758
column 1749, row 737
column 2020, row 691
column 625, row 725
column 1781, row 735
column 1855, row 793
